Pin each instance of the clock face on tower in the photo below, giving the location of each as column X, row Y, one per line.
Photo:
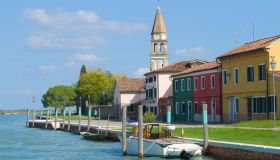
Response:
column 156, row 36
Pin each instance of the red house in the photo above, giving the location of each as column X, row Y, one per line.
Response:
column 207, row 89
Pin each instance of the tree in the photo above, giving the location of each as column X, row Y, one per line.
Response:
column 93, row 84
column 59, row 97
column 149, row 117
column 83, row 70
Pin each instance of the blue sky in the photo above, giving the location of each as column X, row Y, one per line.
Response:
column 44, row 43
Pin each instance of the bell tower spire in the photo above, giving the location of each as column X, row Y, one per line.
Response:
column 159, row 52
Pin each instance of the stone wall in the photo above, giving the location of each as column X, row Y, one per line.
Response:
column 233, row 154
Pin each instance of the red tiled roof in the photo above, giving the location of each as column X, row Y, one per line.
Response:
column 247, row 47
column 177, row 67
column 130, row 84
column 203, row 67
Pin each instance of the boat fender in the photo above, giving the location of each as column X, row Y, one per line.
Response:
column 185, row 155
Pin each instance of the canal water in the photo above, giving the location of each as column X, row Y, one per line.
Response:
column 18, row 142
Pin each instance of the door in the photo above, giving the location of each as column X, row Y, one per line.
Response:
column 231, row 110
column 189, row 111
column 213, row 109
column 250, row 108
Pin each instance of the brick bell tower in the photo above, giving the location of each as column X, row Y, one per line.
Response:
column 159, row 52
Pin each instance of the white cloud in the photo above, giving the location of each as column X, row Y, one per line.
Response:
column 190, row 51
column 73, row 30
column 25, row 91
column 57, row 41
column 79, row 59
column 86, row 58
column 141, row 71
column 47, row 69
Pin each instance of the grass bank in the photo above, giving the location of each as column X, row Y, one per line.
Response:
column 256, row 124
column 260, row 137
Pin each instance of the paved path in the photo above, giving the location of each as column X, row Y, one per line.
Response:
column 118, row 125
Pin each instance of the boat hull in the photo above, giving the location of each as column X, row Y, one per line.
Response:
column 152, row 148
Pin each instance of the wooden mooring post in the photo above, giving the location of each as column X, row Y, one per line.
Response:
column 168, row 115
column 55, row 119
column 27, row 117
column 47, row 118
column 205, row 127
column 33, row 117
column 89, row 118
column 69, row 117
column 41, row 114
column 80, row 118
column 63, row 123
column 140, row 133
column 123, row 130
column 99, row 120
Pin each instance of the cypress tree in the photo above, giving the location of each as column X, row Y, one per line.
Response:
column 83, row 70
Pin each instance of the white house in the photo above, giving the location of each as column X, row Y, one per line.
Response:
column 127, row 91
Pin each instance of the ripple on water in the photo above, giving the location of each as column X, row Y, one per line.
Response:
column 18, row 142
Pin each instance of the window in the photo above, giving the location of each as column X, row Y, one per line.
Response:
column 183, row 108
column 212, row 81
column 155, row 78
column 196, row 107
column 262, row 105
column 147, row 94
column 151, row 95
column 177, row 108
column 150, row 79
column 130, row 108
column 147, row 80
column 182, row 84
column 189, row 83
column 236, row 76
column 155, row 93
column 250, row 74
column 155, row 111
column 262, row 74
column 259, row 105
column 176, row 85
column 195, row 83
column 236, row 105
column 155, row 47
column 152, row 109
column 202, row 82
column 162, row 47
column 271, row 104
column 224, row 77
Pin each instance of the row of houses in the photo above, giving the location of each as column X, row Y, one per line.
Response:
column 237, row 86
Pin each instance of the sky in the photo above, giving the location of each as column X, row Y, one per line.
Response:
column 43, row 43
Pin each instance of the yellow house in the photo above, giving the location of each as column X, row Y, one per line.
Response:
column 247, row 82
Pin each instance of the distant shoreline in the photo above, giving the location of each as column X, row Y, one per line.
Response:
column 12, row 112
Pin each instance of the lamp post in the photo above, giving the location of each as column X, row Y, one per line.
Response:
column 103, row 93
column 273, row 65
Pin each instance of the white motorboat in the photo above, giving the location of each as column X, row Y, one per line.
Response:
column 156, row 144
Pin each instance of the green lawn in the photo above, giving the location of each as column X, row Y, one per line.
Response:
column 256, row 124
column 261, row 137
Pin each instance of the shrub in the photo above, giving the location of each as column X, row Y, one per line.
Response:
column 149, row 117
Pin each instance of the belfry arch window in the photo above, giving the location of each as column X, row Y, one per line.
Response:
column 155, row 47
column 162, row 47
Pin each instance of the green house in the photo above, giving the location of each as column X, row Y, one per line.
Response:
column 182, row 98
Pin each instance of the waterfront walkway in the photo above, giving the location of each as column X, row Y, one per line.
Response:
column 112, row 124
